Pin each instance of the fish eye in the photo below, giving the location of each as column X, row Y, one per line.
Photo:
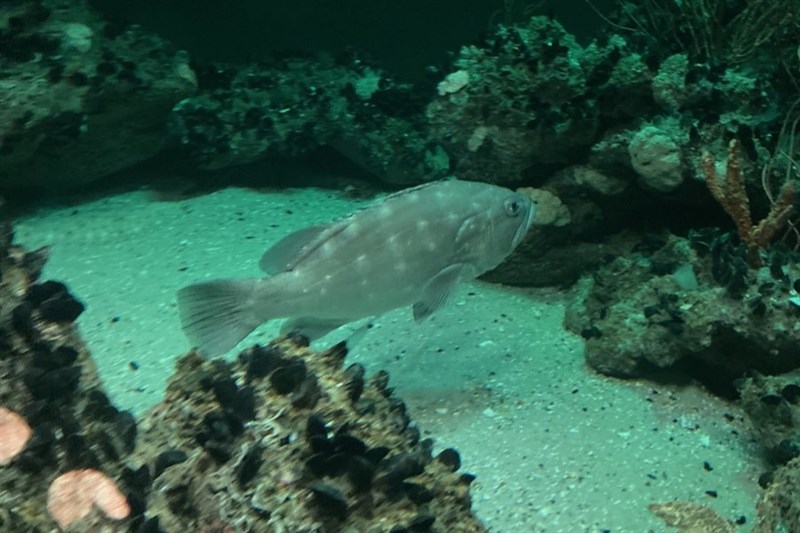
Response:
column 512, row 207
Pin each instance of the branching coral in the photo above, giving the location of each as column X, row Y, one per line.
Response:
column 732, row 196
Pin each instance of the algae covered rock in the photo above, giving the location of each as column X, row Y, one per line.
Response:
column 73, row 437
column 285, row 437
column 290, row 106
column 693, row 306
column 80, row 99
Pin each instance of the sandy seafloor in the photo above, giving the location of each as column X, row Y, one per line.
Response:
column 555, row 447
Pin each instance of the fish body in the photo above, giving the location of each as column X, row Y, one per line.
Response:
column 410, row 248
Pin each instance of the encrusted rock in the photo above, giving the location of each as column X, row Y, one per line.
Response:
column 91, row 103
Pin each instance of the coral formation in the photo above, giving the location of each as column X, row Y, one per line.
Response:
column 74, row 494
column 79, row 98
column 691, row 517
column 693, row 305
column 292, row 105
column 517, row 102
column 533, row 106
column 656, row 158
column 283, row 437
column 779, row 506
column 15, row 433
column 49, row 379
column 732, row 196
column 773, row 405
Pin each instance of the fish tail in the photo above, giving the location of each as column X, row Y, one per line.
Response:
column 216, row 315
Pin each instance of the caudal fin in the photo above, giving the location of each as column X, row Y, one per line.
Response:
column 216, row 315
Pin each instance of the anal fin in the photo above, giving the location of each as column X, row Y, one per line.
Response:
column 311, row 327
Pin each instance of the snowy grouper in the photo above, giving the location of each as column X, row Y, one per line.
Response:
column 409, row 248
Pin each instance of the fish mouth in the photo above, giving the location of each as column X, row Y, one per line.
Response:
column 523, row 228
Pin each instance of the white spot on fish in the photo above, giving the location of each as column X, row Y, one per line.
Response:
column 431, row 246
column 452, row 216
column 396, row 246
column 422, row 225
column 400, row 267
column 385, row 211
column 361, row 262
column 352, row 229
column 327, row 249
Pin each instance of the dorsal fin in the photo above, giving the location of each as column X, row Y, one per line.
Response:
column 285, row 253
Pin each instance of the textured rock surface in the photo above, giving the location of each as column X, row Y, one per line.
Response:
column 518, row 104
column 773, row 405
column 285, row 437
column 47, row 376
column 688, row 307
column 79, row 99
column 292, row 105
column 779, row 507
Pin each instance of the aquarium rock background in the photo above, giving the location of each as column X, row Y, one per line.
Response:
column 633, row 366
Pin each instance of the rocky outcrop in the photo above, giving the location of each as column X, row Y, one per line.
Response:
column 691, row 306
column 80, row 99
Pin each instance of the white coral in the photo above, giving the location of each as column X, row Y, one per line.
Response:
column 77, row 37
column 656, row 157
column 454, row 82
column 550, row 211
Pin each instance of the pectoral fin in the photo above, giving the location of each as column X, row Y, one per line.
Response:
column 436, row 291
